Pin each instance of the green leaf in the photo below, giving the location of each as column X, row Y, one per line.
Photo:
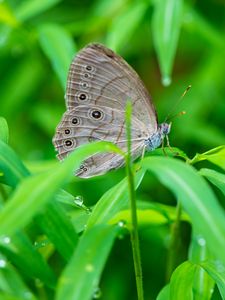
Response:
column 124, row 25
column 112, row 201
column 81, row 276
column 35, row 191
column 6, row 15
column 11, row 282
column 217, row 271
column 59, row 47
column 4, row 130
column 19, row 250
column 11, row 166
column 58, row 229
column 215, row 156
column 31, row 8
column 26, row 83
column 203, row 285
column 148, row 217
column 164, row 294
column 181, row 281
column 216, row 178
column 166, row 23
column 196, row 198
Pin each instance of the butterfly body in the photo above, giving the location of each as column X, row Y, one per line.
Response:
column 155, row 140
column 98, row 86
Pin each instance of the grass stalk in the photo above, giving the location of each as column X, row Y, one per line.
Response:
column 134, row 225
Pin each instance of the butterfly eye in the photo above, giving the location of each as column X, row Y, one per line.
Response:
column 89, row 68
column 75, row 121
column 82, row 96
column 83, row 168
column 87, row 75
column 84, row 85
column 67, row 131
column 96, row 114
column 68, row 143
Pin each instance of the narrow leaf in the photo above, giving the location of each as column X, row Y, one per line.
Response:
column 35, row 191
column 31, row 8
column 11, row 166
column 81, row 276
column 59, row 47
column 112, row 201
column 124, row 24
column 217, row 271
column 196, row 198
column 19, row 250
column 166, row 25
column 216, row 156
column 203, row 285
column 4, row 130
column 58, row 229
column 216, row 178
column 164, row 293
column 11, row 282
column 181, row 281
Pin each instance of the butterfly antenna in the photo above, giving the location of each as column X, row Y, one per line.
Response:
column 176, row 104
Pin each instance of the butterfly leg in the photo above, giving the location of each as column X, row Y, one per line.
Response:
column 170, row 148
column 142, row 156
column 163, row 148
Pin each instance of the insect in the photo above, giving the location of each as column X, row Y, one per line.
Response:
column 98, row 86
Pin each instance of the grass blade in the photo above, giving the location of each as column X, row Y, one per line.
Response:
column 216, row 178
column 35, row 191
column 11, row 166
column 181, row 281
column 31, row 8
column 59, row 47
column 196, row 197
column 82, row 275
column 166, row 25
column 4, row 130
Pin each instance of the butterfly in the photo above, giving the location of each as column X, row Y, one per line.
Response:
column 99, row 84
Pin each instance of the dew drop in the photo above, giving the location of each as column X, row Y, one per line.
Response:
column 41, row 244
column 120, row 236
column 89, row 268
column 97, row 293
column 88, row 210
column 5, row 240
column 2, row 263
column 121, row 223
column 79, row 201
column 27, row 295
column 219, row 266
column 38, row 283
column 166, row 80
column 201, row 241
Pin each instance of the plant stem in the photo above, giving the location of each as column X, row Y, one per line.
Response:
column 134, row 225
column 174, row 243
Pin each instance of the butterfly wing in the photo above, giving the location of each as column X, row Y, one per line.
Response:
column 85, row 124
column 98, row 76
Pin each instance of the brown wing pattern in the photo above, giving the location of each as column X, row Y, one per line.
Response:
column 99, row 84
column 98, row 76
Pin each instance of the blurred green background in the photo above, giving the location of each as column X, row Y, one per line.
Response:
column 38, row 39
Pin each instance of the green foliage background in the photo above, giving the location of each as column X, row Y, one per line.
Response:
column 178, row 41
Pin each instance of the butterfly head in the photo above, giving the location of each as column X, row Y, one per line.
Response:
column 155, row 140
column 164, row 129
